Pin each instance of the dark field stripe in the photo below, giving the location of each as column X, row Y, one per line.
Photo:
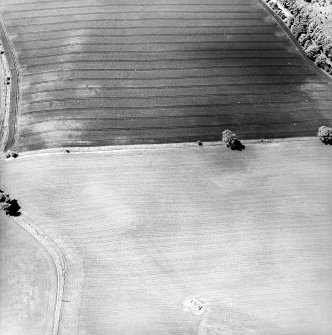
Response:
column 225, row 13
column 128, row 21
column 185, row 128
column 155, row 97
column 170, row 111
column 167, row 102
column 260, row 86
column 144, row 118
column 148, row 3
column 136, row 19
column 173, row 78
column 241, row 88
column 50, row 67
column 144, row 30
column 53, row 30
column 261, row 44
column 38, row 9
column 176, row 73
column 280, row 67
column 85, row 62
column 172, row 106
column 220, row 53
column 56, row 12
column 65, row 95
column 58, row 38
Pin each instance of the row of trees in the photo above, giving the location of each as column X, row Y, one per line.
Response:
column 311, row 28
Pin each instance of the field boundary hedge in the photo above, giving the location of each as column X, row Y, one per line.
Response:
column 11, row 59
column 159, row 146
column 4, row 97
column 311, row 30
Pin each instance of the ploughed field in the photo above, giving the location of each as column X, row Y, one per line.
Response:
column 249, row 233
column 147, row 71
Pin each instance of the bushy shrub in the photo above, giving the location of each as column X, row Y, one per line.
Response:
column 327, row 48
column 298, row 28
column 319, row 37
column 325, row 134
column 323, row 62
column 303, row 38
column 313, row 51
column 10, row 206
column 289, row 21
column 231, row 140
column 311, row 27
column 3, row 198
column 12, row 155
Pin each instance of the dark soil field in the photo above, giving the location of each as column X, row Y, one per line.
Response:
column 123, row 72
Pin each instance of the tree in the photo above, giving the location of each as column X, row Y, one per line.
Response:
column 325, row 134
column 231, row 140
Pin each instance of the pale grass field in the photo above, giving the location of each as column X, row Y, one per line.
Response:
column 248, row 232
column 27, row 282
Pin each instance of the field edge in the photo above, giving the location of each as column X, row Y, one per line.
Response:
column 12, row 61
column 157, row 146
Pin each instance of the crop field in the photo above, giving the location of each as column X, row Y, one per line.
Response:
column 248, row 233
column 97, row 72
column 27, row 283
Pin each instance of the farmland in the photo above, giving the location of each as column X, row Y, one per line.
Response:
column 96, row 73
column 27, row 283
column 113, row 238
column 248, row 232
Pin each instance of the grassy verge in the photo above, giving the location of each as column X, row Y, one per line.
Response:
column 4, row 98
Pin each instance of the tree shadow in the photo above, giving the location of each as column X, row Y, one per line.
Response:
column 237, row 145
column 326, row 141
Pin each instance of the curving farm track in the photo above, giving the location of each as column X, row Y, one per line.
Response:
column 124, row 72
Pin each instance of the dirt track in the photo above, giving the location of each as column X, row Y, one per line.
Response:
column 249, row 231
column 147, row 72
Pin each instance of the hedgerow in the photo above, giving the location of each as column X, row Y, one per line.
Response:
column 311, row 23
